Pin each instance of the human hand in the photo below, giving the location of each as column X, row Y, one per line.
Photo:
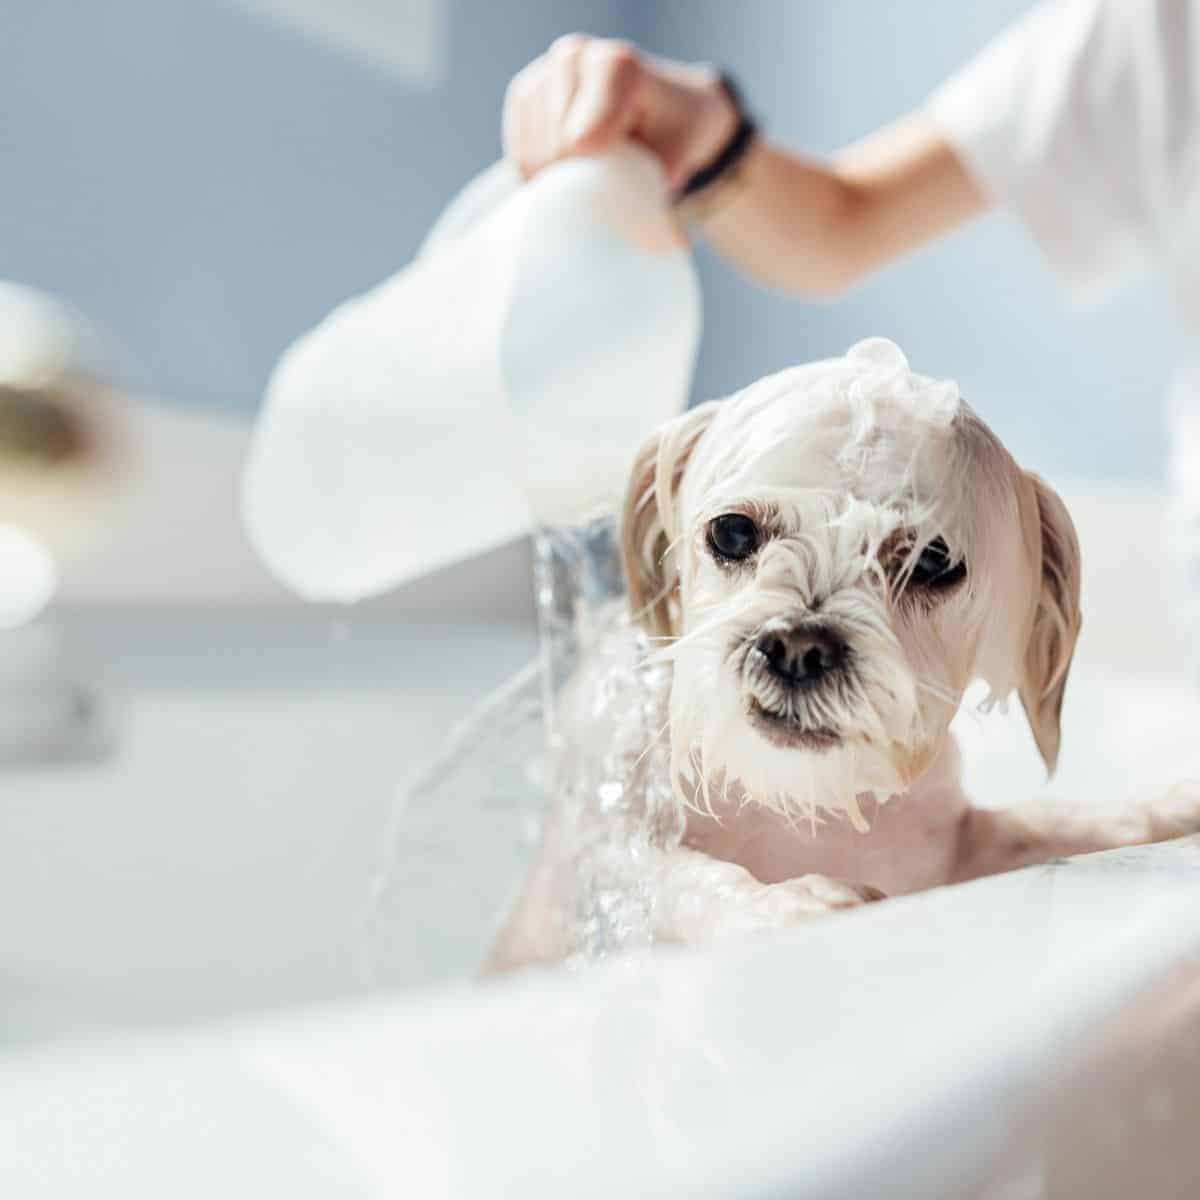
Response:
column 586, row 94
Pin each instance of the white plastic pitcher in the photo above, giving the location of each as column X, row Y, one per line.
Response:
column 505, row 378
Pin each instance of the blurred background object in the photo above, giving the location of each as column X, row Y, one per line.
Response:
column 29, row 574
column 61, row 443
column 62, row 461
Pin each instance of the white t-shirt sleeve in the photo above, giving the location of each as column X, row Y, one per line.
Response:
column 1082, row 119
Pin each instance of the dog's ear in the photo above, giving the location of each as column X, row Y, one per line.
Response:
column 649, row 522
column 1056, row 622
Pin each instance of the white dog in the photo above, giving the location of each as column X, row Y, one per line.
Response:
column 831, row 557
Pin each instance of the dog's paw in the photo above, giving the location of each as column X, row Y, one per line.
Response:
column 779, row 905
column 812, row 895
column 1174, row 814
column 701, row 899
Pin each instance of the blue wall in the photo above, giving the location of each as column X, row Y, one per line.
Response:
column 206, row 186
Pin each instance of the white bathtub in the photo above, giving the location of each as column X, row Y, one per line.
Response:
column 221, row 862
column 180, row 948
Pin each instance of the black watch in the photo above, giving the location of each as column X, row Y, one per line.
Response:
column 734, row 149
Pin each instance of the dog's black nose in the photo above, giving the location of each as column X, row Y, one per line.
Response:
column 802, row 655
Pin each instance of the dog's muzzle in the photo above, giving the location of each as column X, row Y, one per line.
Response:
column 787, row 666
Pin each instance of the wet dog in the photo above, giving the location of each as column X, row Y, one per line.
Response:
column 825, row 562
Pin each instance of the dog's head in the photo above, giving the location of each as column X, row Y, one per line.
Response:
column 832, row 556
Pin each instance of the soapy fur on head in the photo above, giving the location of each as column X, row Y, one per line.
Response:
column 898, row 551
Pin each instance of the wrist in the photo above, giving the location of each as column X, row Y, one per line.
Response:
column 722, row 169
column 717, row 118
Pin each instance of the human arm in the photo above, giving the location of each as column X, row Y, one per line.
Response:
column 791, row 222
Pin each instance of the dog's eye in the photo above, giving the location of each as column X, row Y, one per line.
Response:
column 733, row 537
column 936, row 568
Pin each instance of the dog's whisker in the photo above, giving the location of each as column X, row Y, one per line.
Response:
column 676, row 645
column 654, row 740
column 938, row 692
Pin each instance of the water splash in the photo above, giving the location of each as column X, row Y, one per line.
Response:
column 573, row 749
